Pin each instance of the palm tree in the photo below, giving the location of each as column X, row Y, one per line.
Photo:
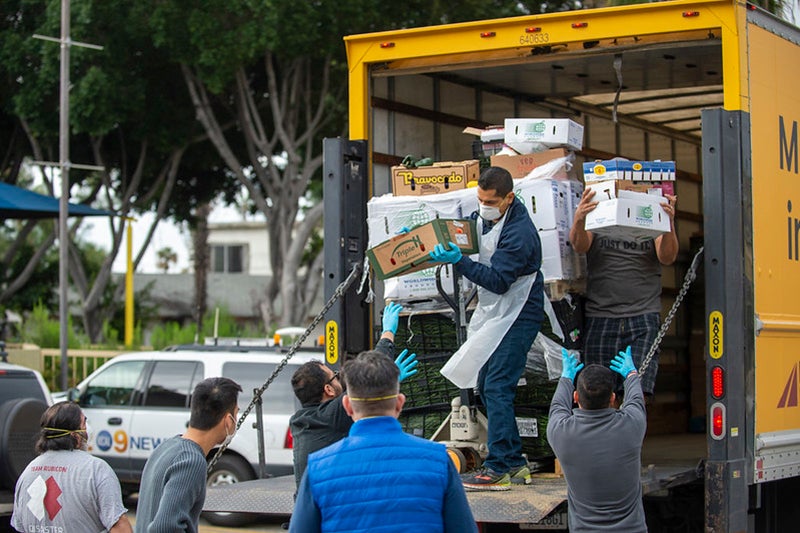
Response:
column 166, row 256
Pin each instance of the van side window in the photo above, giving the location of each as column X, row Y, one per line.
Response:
column 171, row 383
column 114, row 385
column 277, row 399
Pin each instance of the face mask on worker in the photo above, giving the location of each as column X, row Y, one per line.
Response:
column 489, row 212
column 229, row 436
column 85, row 437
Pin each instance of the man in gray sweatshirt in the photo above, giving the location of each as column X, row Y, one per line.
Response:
column 173, row 486
column 600, row 447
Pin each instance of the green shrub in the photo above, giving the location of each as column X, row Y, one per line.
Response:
column 40, row 329
column 172, row 333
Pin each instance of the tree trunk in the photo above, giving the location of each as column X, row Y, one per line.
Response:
column 201, row 264
column 286, row 116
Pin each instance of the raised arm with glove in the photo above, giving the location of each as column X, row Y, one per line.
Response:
column 622, row 364
column 569, row 365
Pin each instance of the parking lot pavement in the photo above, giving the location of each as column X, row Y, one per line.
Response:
column 262, row 525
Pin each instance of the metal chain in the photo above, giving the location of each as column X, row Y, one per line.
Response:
column 691, row 274
column 338, row 293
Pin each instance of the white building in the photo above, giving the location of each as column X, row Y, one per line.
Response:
column 239, row 273
column 239, row 248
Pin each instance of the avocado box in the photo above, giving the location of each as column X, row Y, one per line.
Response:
column 444, row 176
column 408, row 252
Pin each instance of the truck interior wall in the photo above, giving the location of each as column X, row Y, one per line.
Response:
column 680, row 390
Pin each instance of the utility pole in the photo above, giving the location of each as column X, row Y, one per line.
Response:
column 64, row 166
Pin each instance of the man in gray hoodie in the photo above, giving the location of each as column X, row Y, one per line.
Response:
column 600, row 447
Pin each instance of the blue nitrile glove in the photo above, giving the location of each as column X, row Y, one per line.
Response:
column 623, row 363
column 442, row 255
column 391, row 317
column 407, row 366
column 569, row 365
column 403, row 230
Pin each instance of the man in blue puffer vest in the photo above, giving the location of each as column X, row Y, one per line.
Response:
column 379, row 479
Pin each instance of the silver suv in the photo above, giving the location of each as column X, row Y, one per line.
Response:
column 136, row 401
column 24, row 396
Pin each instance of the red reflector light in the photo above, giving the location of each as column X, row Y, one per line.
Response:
column 288, row 442
column 580, row 24
column 717, row 421
column 387, row 45
column 717, row 382
column 691, row 13
column 485, row 34
column 535, row 29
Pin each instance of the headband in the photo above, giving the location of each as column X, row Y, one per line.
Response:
column 63, row 432
column 378, row 399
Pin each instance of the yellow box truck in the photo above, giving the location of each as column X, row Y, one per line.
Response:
column 713, row 85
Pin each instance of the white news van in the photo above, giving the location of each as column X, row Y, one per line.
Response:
column 136, row 401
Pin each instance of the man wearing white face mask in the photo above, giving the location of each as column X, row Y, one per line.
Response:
column 504, row 325
column 173, row 486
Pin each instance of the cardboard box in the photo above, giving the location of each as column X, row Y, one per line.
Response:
column 387, row 214
column 487, row 134
column 558, row 258
column 629, row 170
column 609, row 189
column 574, row 194
column 421, row 285
column 546, row 202
column 408, row 252
column 527, row 135
column 438, row 178
column 631, row 215
column 521, row 165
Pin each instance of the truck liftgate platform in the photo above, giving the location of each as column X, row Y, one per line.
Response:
column 678, row 458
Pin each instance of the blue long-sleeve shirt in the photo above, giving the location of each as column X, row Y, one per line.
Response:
column 518, row 253
column 600, row 451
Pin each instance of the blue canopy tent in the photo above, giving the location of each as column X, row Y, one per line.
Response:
column 16, row 202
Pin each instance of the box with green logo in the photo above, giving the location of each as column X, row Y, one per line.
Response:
column 528, row 135
column 409, row 252
column 632, row 216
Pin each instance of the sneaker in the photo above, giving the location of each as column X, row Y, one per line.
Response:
column 521, row 475
column 486, row 479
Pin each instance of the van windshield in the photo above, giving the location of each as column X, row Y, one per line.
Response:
column 278, row 399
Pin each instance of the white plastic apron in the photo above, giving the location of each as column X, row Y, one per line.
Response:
column 491, row 320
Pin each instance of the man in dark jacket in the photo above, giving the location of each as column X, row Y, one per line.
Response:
column 597, row 443
column 322, row 420
column 380, row 478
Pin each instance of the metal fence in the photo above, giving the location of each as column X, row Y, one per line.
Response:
column 81, row 363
